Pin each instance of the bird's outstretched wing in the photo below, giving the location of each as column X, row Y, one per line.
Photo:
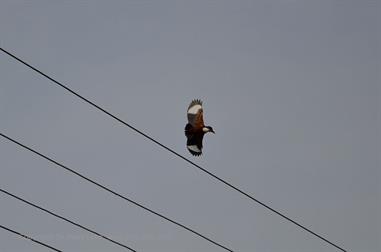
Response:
column 194, row 143
column 195, row 114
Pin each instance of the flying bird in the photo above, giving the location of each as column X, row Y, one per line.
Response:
column 195, row 128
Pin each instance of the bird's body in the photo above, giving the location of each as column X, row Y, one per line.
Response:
column 195, row 128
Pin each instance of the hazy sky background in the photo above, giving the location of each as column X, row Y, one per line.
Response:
column 290, row 87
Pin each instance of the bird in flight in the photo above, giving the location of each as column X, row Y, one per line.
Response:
column 195, row 128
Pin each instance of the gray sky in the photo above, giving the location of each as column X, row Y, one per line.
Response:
column 290, row 87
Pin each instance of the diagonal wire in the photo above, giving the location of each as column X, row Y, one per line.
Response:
column 115, row 193
column 30, row 238
column 176, row 153
column 65, row 219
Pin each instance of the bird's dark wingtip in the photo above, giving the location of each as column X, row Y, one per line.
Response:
column 195, row 102
column 196, row 154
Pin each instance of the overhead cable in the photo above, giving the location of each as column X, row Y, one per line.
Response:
column 66, row 219
column 30, row 238
column 230, row 185
column 115, row 193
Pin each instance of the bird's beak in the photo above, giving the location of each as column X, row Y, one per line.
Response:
column 213, row 132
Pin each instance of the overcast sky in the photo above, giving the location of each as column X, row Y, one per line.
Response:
column 290, row 87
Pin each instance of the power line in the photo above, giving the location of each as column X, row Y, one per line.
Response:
column 30, row 238
column 65, row 219
column 114, row 192
column 176, row 153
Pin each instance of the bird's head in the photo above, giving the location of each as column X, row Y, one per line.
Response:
column 208, row 129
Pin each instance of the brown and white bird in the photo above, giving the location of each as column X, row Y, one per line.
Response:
column 195, row 128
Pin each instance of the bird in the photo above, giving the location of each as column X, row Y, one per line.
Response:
column 195, row 128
